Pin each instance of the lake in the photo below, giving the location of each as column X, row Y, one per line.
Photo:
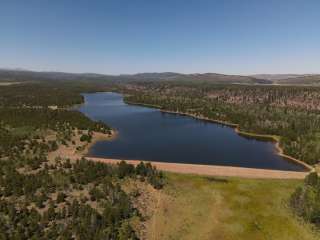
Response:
column 151, row 135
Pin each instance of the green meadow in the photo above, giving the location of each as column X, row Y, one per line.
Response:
column 197, row 207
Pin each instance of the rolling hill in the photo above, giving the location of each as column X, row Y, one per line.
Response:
column 7, row 75
column 16, row 75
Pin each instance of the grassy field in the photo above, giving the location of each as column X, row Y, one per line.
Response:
column 195, row 207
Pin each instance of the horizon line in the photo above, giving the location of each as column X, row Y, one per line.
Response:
column 155, row 72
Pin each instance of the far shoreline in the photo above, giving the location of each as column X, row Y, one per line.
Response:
column 99, row 137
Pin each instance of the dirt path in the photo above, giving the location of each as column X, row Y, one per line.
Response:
column 154, row 217
column 210, row 170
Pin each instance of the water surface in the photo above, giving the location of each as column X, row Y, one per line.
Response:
column 149, row 134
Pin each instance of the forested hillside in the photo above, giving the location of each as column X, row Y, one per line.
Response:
column 60, row 198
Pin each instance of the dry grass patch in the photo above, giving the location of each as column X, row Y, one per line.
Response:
column 195, row 207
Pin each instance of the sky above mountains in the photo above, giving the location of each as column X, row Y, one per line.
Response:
column 225, row 36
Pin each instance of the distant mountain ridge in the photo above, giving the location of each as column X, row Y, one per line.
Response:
column 313, row 79
column 23, row 75
column 275, row 77
column 18, row 75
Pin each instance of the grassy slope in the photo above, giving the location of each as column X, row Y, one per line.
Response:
column 195, row 207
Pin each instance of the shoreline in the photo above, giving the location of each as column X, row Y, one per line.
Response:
column 262, row 137
column 72, row 152
column 97, row 137
column 212, row 170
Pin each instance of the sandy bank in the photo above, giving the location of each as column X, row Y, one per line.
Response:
column 97, row 137
column 8, row 83
column 79, row 149
column 210, row 170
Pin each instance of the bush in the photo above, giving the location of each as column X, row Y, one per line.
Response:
column 305, row 201
column 61, row 197
column 85, row 138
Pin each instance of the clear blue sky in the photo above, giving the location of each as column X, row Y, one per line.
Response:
column 117, row 36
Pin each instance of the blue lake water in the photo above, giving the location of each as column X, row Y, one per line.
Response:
column 148, row 134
